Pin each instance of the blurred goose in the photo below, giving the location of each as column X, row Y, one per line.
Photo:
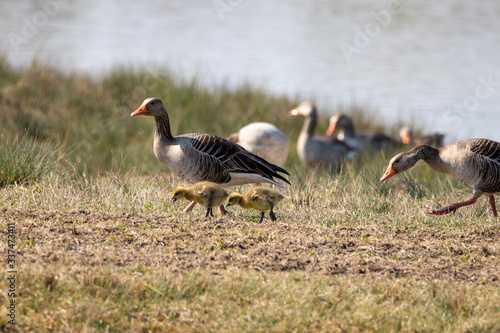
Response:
column 314, row 149
column 407, row 137
column 260, row 198
column 206, row 157
column 207, row 194
column 475, row 162
column 359, row 141
column 264, row 140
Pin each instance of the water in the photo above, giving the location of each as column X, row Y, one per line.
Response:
column 436, row 64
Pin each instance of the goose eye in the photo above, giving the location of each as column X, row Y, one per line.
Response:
column 152, row 103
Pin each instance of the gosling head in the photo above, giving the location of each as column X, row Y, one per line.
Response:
column 233, row 199
column 178, row 193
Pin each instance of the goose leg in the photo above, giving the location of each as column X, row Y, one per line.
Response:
column 453, row 207
column 190, row 207
column 222, row 210
column 271, row 213
column 493, row 207
column 209, row 211
column 261, row 217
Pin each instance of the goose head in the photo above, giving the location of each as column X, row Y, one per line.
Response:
column 405, row 133
column 150, row 107
column 305, row 109
column 233, row 199
column 338, row 120
column 399, row 163
column 178, row 193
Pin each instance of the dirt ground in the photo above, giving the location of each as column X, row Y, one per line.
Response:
column 191, row 242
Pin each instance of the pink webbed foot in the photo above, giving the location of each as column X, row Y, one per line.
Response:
column 453, row 207
column 222, row 210
column 445, row 210
column 189, row 207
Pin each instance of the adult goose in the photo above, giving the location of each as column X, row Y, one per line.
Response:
column 364, row 141
column 407, row 137
column 314, row 150
column 264, row 140
column 475, row 162
column 206, row 157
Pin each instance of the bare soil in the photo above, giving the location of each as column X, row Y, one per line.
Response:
column 189, row 242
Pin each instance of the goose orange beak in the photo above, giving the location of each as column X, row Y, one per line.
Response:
column 406, row 139
column 331, row 129
column 388, row 174
column 294, row 112
column 139, row 111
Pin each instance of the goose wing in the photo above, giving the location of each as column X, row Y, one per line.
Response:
column 488, row 149
column 489, row 165
column 218, row 157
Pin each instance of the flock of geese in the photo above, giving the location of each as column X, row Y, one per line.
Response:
column 257, row 152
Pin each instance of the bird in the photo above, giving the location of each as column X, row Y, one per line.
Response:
column 474, row 162
column 407, row 137
column 264, row 140
column 199, row 157
column 314, row 150
column 260, row 198
column 361, row 142
column 207, row 194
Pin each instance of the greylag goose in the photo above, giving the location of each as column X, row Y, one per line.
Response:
column 407, row 137
column 363, row 141
column 206, row 157
column 313, row 149
column 260, row 198
column 475, row 162
column 264, row 140
column 207, row 194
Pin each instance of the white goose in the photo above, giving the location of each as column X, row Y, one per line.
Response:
column 313, row 149
column 206, row 157
column 264, row 140
column 475, row 162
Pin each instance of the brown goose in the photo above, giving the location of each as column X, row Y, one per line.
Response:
column 313, row 149
column 360, row 141
column 407, row 137
column 475, row 162
column 206, row 157
column 264, row 140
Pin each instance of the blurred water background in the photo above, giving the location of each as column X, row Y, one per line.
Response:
column 435, row 64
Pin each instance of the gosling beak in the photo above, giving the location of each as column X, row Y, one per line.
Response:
column 388, row 174
column 173, row 199
column 294, row 112
column 331, row 129
column 140, row 111
column 227, row 204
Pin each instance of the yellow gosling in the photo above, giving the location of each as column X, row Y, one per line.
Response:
column 260, row 198
column 208, row 194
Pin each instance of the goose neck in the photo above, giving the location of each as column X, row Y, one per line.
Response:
column 163, row 126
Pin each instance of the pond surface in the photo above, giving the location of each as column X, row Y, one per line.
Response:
column 436, row 64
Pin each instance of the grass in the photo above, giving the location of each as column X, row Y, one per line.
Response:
column 100, row 248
